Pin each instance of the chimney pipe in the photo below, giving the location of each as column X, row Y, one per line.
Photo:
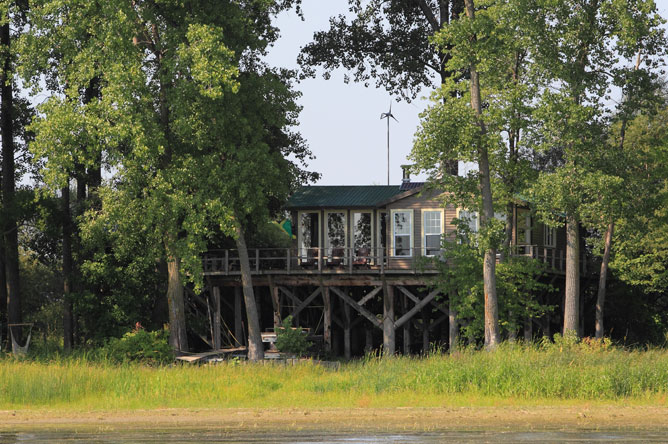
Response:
column 407, row 175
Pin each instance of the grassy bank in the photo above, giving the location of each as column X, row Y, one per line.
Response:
column 513, row 375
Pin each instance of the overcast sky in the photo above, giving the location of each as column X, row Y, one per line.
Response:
column 341, row 122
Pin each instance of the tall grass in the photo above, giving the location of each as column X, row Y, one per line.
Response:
column 512, row 374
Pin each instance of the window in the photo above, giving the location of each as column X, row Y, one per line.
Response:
column 336, row 235
column 308, row 234
column 523, row 228
column 402, row 224
column 549, row 236
column 362, row 231
column 470, row 218
column 432, row 229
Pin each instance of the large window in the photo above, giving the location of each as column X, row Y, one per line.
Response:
column 308, row 233
column 432, row 229
column 336, row 235
column 362, row 231
column 402, row 227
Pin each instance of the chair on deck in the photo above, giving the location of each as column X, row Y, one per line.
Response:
column 336, row 258
column 362, row 257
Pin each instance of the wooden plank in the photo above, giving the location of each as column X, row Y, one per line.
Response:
column 361, row 310
column 370, row 295
column 295, row 300
column 408, row 294
column 406, row 317
column 305, row 303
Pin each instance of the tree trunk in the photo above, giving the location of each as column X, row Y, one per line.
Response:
column 255, row 350
column 489, row 264
column 600, row 300
column 572, row 291
column 8, row 183
column 178, row 338
column 68, row 320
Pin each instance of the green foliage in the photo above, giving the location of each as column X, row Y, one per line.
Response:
column 291, row 340
column 140, row 346
column 519, row 280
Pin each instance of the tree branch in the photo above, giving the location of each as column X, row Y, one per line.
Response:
column 429, row 14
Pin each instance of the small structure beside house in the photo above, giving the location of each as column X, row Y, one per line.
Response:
column 354, row 274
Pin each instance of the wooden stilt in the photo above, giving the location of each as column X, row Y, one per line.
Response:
column 276, row 304
column 453, row 336
column 258, row 303
column 347, row 352
column 295, row 317
column 388, row 321
column 368, row 340
column 327, row 319
column 528, row 329
column 407, row 327
column 425, row 331
column 512, row 328
column 216, row 318
column 238, row 319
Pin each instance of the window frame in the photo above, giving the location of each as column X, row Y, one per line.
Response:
column 424, row 234
column 303, row 251
column 371, row 224
column 549, row 234
column 346, row 227
column 394, row 235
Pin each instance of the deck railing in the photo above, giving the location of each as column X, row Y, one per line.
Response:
column 354, row 260
column 553, row 258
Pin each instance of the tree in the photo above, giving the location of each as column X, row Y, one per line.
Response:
column 192, row 122
column 579, row 45
column 390, row 42
column 489, row 45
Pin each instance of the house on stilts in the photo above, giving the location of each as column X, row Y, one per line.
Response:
column 353, row 273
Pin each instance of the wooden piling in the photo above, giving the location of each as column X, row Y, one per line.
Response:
column 388, row 321
column 425, row 331
column 276, row 304
column 216, row 319
column 238, row 319
column 327, row 320
column 347, row 352
column 407, row 326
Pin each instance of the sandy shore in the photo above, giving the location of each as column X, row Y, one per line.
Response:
column 362, row 419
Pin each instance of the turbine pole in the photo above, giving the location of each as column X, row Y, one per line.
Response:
column 388, row 151
column 387, row 116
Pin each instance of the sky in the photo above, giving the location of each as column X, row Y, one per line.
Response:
column 341, row 122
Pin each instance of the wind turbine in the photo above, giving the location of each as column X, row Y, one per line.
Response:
column 387, row 116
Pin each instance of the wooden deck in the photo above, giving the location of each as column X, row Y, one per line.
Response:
column 340, row 262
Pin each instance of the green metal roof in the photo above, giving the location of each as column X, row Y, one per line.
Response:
column 341, row 196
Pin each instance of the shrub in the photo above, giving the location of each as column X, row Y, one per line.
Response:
column 291, row 340
column 139, row 345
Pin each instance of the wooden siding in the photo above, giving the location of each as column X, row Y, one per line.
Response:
column 416, row 203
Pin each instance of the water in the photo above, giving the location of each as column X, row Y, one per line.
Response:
column 211, row 436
